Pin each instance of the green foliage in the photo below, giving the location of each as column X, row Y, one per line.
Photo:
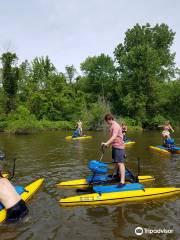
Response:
column 3, row 100
column 157, row 120
column 131, row 123
column 141, row 84
column 22, row 122
column 70, row 72
column 94, row 117
column 99, row 80
column 10, row 76
column 66, row 125
column 173, row 102
column 3, row 123
column 143, row 61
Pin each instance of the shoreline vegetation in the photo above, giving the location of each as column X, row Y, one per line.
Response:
column 22, row 122
column 40, row 126
column 139, row 85
column 22, row 128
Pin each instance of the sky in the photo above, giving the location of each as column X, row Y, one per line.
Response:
column 69, row 31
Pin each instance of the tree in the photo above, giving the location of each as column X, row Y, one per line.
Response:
column 42, row 70
column 24, row 81
column 100, row 77
column 143, row 60
column 10, row 76
column 70, row 73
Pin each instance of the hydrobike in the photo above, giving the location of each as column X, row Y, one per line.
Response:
column 25, row 192
column 78, row 138
column 101, row 176
column 167, row 147
column 112, row 194
column 162, row 149
column 129, row 142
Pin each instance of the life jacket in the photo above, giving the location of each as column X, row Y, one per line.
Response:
column 76, row 134
column 169, row 141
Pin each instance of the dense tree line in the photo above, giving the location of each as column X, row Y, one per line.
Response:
column 139, row 84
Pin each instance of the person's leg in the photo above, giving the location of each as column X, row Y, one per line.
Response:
column 79, row 132
column 164, row 140
column 118, row 156
column 122, row 172
column 115, row 172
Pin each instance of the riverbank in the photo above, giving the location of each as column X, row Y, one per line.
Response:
column 22, row 122
column 22, row 127
column 27, row 124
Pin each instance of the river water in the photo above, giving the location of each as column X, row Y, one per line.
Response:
column 50, row 156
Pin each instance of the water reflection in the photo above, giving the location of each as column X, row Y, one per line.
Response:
column 49, row 155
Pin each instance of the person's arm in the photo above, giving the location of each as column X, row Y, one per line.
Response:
column 171, row 128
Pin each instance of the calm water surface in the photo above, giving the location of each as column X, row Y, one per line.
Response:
column 49, row 155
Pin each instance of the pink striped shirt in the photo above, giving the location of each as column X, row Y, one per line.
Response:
column 116, row 129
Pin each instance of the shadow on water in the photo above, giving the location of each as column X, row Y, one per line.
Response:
column 49, row 155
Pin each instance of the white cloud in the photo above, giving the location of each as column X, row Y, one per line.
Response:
column 69, row 31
